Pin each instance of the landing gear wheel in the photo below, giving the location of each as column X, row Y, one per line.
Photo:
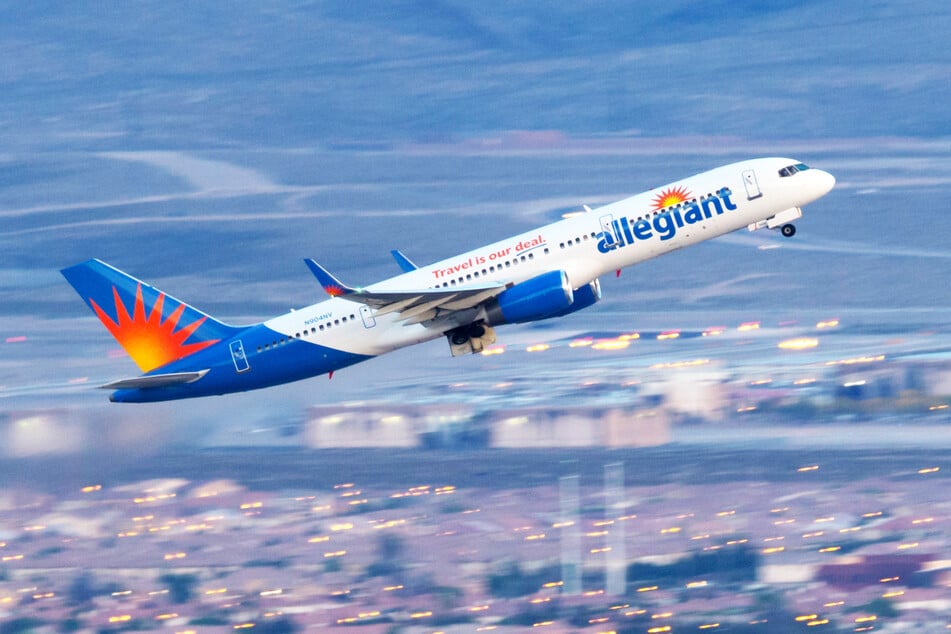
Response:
column 458, row 338
column 476, row 331
column 788, row 230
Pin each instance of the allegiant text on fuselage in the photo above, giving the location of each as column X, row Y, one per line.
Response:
column 625, row 232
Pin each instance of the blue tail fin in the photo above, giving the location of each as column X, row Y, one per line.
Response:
column 154, row 328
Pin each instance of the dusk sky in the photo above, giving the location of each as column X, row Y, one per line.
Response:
column 208, row 150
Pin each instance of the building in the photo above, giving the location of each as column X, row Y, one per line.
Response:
column 579, row 427
column 380, row 424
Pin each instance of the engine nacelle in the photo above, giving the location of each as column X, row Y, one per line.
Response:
column 587, row 295
column 540, row 297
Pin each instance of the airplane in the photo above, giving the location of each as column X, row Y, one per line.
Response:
column 549, row 272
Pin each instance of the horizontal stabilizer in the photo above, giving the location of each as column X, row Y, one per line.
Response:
column 155, row 380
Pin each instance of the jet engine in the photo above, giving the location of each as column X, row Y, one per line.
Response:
column 540, row 297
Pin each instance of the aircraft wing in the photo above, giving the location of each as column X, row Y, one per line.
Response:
column 415, row 305
column 155, row 380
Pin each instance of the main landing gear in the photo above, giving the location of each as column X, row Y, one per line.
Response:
column 470, row 339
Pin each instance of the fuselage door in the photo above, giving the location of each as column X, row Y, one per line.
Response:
column 366, row 314
column 238, row 357
column 752, row 187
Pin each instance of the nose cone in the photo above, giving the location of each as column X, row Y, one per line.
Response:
column 824, row 182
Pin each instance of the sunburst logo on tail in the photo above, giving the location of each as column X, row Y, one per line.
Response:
column 150, row 341
column 670, row 197
column 333, row 290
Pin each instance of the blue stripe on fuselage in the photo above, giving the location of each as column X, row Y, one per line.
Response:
column 281, row 359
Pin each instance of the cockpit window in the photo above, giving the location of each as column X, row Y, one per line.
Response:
column 793, row 169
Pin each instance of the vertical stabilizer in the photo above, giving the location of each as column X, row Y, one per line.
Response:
column 153, row 327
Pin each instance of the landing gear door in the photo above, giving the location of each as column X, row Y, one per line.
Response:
column 752, row 186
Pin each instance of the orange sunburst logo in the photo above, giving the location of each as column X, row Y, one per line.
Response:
column 333, row 290
column 670, row 197
column 150, row 341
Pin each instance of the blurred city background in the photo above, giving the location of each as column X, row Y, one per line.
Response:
column 749, row 435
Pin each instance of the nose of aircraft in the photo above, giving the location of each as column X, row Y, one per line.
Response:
column 824, row 182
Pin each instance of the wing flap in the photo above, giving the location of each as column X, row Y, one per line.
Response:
column 413, row 305
column 155, row 380
column 469, row 301
column 419, row 318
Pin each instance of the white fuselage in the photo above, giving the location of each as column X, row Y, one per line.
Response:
column 585, row 246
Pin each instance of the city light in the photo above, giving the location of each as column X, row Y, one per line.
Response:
column 611, row 344
column 857, row 360
column 799, row 343
column 674, row 365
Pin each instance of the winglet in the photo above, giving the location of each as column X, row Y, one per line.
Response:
column 333, row 286
column 405, row 263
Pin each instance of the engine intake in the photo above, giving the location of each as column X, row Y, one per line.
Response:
column 585, row 296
